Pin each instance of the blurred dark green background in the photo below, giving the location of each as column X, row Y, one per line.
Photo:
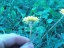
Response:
column 13, row 11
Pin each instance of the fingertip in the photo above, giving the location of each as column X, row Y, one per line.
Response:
column 20, row 40
column 27, row 45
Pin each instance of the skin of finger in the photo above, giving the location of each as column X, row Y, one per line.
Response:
column 7, row 39
column 28, row 45
column 20, row 40
column 1, row 44
column 11, row 39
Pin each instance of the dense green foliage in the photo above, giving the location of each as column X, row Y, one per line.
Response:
column 13, row 11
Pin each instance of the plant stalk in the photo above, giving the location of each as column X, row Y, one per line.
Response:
column 30, row 25
column 53, row 26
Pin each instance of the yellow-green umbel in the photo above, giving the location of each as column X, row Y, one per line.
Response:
column 30, row 20
column 62, row 11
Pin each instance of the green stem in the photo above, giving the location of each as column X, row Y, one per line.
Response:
column 30, row 25
column 53, row 26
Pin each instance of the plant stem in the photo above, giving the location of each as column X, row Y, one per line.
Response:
column 30, row 25
column 52, row 27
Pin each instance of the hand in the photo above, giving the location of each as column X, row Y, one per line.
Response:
column 14, row 41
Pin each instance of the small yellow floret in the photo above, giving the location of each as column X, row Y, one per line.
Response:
column 62, row 11
column 30, row 18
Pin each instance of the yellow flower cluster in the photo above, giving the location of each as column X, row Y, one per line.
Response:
column 62, row 11
column 30, row 18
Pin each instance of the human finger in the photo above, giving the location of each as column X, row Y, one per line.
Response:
column 11, row 39
column 27, row 45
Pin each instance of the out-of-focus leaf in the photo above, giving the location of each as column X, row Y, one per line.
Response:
column 2, row 30
column 1, row 9
column 27, row 29
column 7, row 30
column 40, row 30
column 45, row 15
column 13, row 14
column 13, row 17
column 62, row 35
column 39, row 13
column 49, row 20
column 59, row 44
column 33, row 10
column 45, row 11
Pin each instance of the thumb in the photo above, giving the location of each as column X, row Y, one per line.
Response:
column 27, row 45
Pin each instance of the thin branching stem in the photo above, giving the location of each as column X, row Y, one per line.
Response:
column 52, row 27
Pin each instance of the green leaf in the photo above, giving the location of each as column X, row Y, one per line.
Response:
column 1, row 10
column 13, row 17
column 62, row 35
column 7, row 30
column 13, row 14
column 45, row 15
column 33, row 10
column 49, row 20
column 40, row 30
column 46, row 11
column 39, row 13
column 59, row 44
